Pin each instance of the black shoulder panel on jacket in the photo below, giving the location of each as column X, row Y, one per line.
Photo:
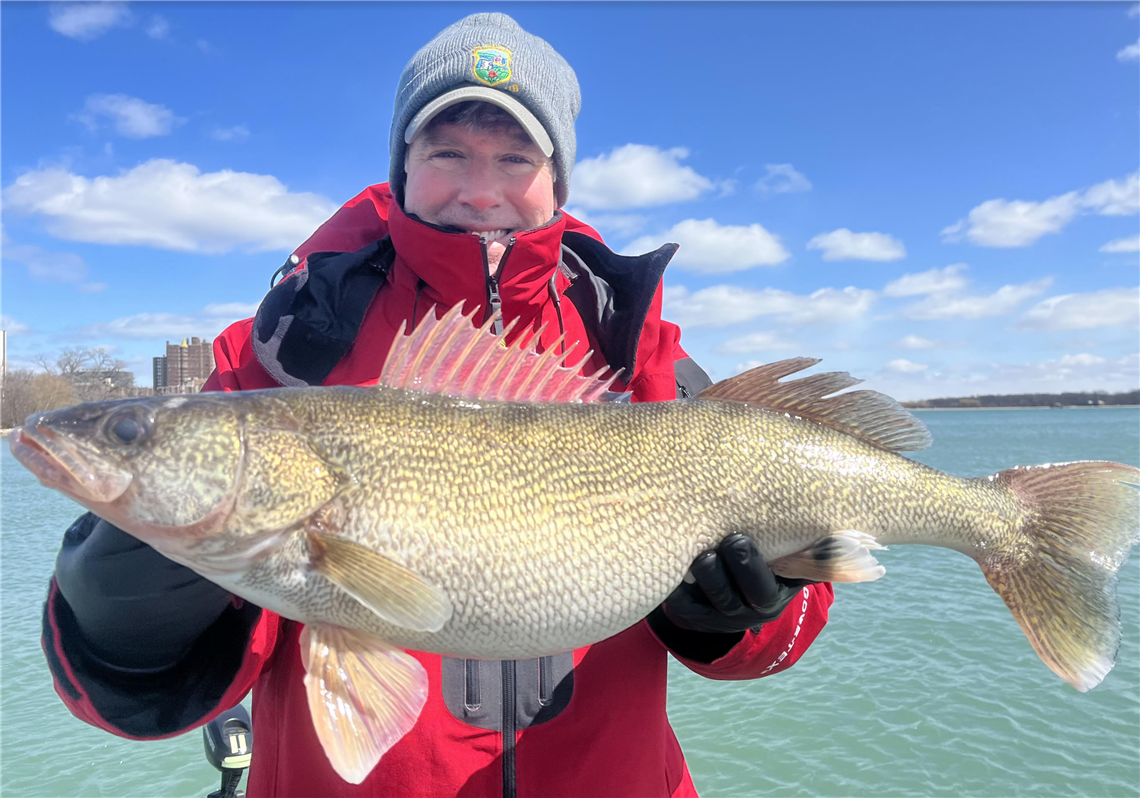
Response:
column 613, row 293
column 691, row 378
column 307, row 323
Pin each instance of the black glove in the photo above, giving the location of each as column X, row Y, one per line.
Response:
column 733, row 591
column 135, row 609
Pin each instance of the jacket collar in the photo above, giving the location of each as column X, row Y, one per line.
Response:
column 450, row 264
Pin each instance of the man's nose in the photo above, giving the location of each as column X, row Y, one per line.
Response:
column 480, row 188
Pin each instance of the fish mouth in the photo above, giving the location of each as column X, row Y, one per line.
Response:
column 59, row 464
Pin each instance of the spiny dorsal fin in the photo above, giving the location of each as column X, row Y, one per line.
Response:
column 868, row 415
column 451, row 356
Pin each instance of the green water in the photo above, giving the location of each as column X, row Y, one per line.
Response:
column 921, row 684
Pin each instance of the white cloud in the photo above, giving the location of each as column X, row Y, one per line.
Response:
column 52, row 267
column 915, row 342
column 1129, row 53
column 144, row 325
column 48, row 267
column 170, row 205
column 842, row 244
column 204, row 46
column 1129, row 244
column 622, row 225
column 711, row 248
column 1112, row 307
column 934, row 281
column 756, row 342
column 1019, row 223
column 11, row 326
column 237, row 133
column 208, row 323
column 782, row 178
column 1081, row 360
column 1114, row 198
column 903, row 366
column 87, row 21
column 131, row 116
column 724, row 305
column 956, row 306
column 1134, row 11
column 158, row 27
column 636, row 176
column 1080, row 372
column 1001, row 223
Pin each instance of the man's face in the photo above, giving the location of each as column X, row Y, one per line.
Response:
column 495, row 182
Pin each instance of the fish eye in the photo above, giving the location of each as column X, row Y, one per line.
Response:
column 124, row 427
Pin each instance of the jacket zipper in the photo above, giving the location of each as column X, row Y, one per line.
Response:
column 545, row 677
column 471, row 697
column 510, row 788
column 494, row 301
column 552, row 290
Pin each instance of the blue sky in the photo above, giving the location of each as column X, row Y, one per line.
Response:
column 940, row 198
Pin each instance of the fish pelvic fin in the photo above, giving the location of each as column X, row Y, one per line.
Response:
column 450, row 355
column 868, row 415
column 394, row 592
column 1057, row 573
column 363, row 694
column 840, row 557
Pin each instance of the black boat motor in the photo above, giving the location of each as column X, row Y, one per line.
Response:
column 228, row 740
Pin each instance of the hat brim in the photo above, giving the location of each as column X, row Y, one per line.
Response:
column 525, row 118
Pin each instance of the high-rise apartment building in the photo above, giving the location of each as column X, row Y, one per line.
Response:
column 159, row 373
column 185, row 366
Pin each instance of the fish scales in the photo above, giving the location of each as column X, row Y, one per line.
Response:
column 423, row 516
column 512, row 511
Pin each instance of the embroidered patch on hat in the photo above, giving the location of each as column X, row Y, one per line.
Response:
column 492, row 65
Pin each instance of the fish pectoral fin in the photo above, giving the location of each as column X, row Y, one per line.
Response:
column 364, row 695
column 840, row 557
column 397, row 594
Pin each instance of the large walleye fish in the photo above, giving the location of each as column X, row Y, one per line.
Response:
column 481, row 503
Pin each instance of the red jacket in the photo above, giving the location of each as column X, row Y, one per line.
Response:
column 600, row 728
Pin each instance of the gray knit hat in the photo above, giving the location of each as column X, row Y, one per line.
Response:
column 489, row 57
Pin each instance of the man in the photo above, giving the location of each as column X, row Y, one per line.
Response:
column 482, row 145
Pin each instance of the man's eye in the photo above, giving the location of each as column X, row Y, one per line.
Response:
column 446, row 154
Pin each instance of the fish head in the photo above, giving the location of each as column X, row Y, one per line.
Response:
column 209, row 480
column 156, row 467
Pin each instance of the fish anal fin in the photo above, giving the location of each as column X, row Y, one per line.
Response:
column 840, row 557
column 868, row 415
column 395, row 593
column 363, row 695
column 450, row 355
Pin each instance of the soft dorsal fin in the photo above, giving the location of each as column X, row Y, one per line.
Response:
column 868, row 415
column 451, row 356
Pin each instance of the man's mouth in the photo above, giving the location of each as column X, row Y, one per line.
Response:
column 490, row 235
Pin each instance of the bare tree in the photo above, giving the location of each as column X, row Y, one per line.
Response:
column 92, row 372
column 26, row 392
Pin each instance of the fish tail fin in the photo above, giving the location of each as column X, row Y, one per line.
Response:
column 1057, row 572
